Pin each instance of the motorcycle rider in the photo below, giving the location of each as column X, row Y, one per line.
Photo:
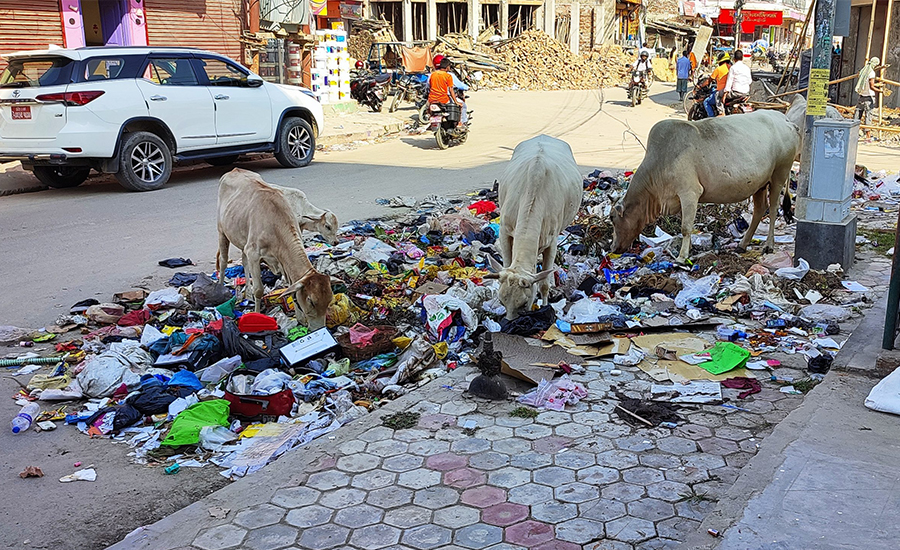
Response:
column 713, row 103
column 737, row 85
column 441, row 89
column 642, row 67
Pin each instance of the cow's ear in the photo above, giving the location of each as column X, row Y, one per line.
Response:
column 619, row 209
column 541, row 276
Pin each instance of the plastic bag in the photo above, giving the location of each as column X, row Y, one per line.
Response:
column 794, row 273
column 555, row 395
column 587, row 310
column 106, row 314
column 219, row 369
column 440, row 309
column 269, row 382
column 165, row 298
column 104, row 373
column 374, row 251
column 213, row 438
column 206, row 292
column 825, row 312
column 885, row 396
column 695, row 288
column 186, row 427
column 362, row 335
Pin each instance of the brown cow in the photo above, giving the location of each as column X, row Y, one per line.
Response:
column 258, row 219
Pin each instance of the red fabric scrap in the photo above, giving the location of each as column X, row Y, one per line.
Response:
column 740, row 383
column 256, row 322
column 483, row 207
column 134, row 318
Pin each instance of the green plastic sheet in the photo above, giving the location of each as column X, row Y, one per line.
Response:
column 187, row 425
column 725, row 356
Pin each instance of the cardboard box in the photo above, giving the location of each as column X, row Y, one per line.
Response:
column 312, row 346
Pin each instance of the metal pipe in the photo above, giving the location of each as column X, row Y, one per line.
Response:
column 797, row 48
column 871, row 29
column 884, row 49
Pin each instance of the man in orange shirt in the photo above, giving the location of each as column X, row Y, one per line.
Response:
column 440, row 84
column 713, row 103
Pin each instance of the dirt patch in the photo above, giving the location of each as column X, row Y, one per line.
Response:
column 725, row 263
column 825, row 283
column 653, row 411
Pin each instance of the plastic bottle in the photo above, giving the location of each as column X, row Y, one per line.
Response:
column 26, row 416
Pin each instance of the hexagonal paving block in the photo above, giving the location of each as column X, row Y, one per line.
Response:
column 376, row 434
column 426, row 537
column 419, row 478
column 637, row 443
column 220, row 537
column 713, row 490
column 706, row 419
column 386, row 448
column 424, row 407
column 259, row 516
column 617, row 459
column 529, row 494
column 701, row 461
column 309, row 516
column 375, row 536
column 408, row 516
column 598, row 475
column 533, row 431
column 602, row 509
column 358, row 463
column 579, row 530
column 651, row 509
column 458, row 407
column 445, row 462
column 553, row 418
column 478, row 536
column 389, row 497
column 557, row 545
column 676, row 445
column 748, row 420
column 488, row 460
column 553, row 512
column 733, row 433
column 483, row 496
column 373, row 479
column 450, row 434
column 358, row 516
column 662, row 461
column 464, row 478
column 658, row 544
column 553, row 476
column 509, row 477
column 529, row 533
column 270, row 538
column 572, row 430
column 576, row 492
column 590, row 418
column 574, row 459
column 612, row 431
column 738, row 460
column 325, row 481
column 470, row 446
column 352, row 447
column 294, row 497
column 669, row 491
column 402, row 463
column 506, row 546
column 411, row 435
column 436, row 497
column 455, row 517
column 694, row 509
column 324, row 537
column 623, row 492
column 436, row 421
column 687, row 474
column 676, row 528
column 511, row 446
column 429, row 447
column 629, row 529
column 504, row 514
column 342, row 498
column 551, row 444
column 642, row 475
column 495, row 433
column 531, row 460
column 325, row 462
column 609, row 544
column 717, row 446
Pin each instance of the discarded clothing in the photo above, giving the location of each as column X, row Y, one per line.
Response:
column 183, row 279
column 187, row 425
column 529, row 323
column 741, row 383
column 555, row 395
column 175, row 262
column 135, row 318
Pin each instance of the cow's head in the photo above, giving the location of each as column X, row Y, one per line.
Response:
column 627, row 225
column 517, row 289
column 326, row 225
column 312, row 296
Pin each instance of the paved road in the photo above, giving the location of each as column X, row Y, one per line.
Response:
column 62, row 246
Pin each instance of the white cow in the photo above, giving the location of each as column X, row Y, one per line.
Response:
column 310, row 217
column 540, row 192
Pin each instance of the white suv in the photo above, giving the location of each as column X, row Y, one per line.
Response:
column 133, row 111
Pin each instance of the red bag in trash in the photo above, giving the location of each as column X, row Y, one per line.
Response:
column 252, row 406
column 256, row 322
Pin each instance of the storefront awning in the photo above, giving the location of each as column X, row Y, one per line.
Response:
column 750, row 19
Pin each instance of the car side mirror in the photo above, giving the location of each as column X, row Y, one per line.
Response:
column 253, row 81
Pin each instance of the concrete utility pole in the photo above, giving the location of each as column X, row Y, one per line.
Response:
column 738, row 18
column 431, row 14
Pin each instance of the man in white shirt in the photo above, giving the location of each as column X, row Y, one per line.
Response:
column 737, row 87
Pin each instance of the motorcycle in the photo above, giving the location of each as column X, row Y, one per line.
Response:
column 370, row 89
column 444, row 124
column 694, row 101
column 409, row 88
column 638, row 88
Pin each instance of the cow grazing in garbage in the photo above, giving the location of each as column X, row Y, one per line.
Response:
column 309, row 217
column 257, row 218
column 717, row 160
column 539, row 193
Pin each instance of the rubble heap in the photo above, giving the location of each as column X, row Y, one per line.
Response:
column 538, row 62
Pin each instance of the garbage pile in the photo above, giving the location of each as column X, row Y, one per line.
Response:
column 190, row 374
column 538, row 62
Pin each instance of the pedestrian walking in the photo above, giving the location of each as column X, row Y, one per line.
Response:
column 683, row 72
column 867, row 88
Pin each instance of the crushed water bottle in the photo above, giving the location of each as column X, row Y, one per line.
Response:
column 25, row 418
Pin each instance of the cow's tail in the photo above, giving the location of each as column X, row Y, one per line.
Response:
column 787, row 209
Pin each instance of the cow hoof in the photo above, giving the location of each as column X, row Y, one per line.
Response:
column 767, row 249
column 741, row 249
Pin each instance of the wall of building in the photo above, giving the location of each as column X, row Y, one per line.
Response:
column 208, row 24
column 854, row 50
column 29, row 26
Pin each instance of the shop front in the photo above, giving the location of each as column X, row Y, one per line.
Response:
column 628, row 19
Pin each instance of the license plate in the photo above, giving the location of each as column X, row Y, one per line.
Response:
column 21, row 112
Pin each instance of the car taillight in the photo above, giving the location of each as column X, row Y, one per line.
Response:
column 72, row 99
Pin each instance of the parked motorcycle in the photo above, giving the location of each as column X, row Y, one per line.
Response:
column 444, row 124
column 638, row 87
column 696, row 110
column 410, row 88
column 370, row 89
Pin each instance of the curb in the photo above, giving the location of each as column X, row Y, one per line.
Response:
column 337, row 139
column 22, row 182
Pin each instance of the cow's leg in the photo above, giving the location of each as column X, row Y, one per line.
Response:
column 222, row 256
column 759, row 208
column 547, row 264
column 689, row 202
column 781, row 179
column 506, row 249
column 253, row 273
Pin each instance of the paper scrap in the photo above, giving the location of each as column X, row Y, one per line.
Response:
column 693, row 392
column 853, row 286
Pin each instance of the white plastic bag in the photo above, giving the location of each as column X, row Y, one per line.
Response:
column 217, row 370
column 794, row 273
column 213, row 438
column 374, row 250
column 885, row 396
column 695, row 288
column 269, row 381
column 587, row 310
column 112, row 368
column 165, row 298
column 150, row 335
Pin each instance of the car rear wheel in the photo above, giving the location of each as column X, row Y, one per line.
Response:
column 61, row 177
column 145, row 162
column 296, row 144
column 222, row 161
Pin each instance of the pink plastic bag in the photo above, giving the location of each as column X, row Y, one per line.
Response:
column 361, row 335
